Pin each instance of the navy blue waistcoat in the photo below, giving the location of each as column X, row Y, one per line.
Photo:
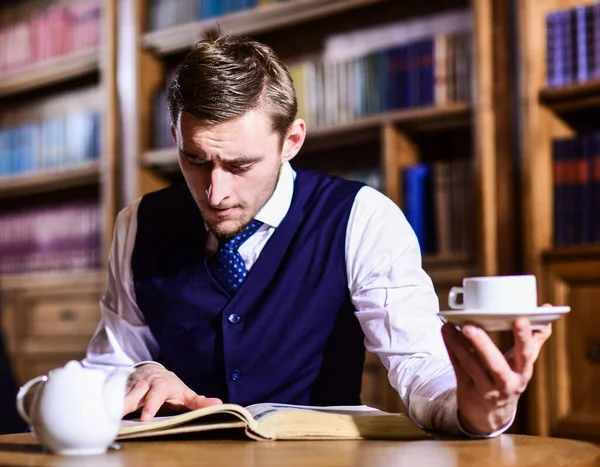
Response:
column 297, row 341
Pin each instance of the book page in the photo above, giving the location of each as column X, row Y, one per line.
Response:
column 260, row 411
column 213, row 415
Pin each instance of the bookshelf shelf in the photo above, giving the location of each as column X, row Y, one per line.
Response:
column 575, row 253
column 50, row 279
column 163, row 159
column 250, row 22
column 574, row 97
column 369, row 128
column 448, row 260
column 50, row 72
column 419, row 119
column 50, row 180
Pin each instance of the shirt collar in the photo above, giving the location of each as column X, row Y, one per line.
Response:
column 273, row 212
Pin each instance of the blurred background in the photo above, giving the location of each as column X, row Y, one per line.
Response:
column 478, row 117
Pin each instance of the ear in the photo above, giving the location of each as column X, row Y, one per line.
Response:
column 173, row 134
column 294, row 140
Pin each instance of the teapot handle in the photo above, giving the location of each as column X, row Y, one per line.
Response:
column 23, row 392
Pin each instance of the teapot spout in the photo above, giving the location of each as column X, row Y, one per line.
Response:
column 114, row 392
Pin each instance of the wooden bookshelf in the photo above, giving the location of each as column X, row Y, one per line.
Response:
column 47, row 317
column 561, row 401
column 40, row 182
column 50, row 72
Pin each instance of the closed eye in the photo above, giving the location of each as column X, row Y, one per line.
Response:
column 196, row 162
column 240, row 169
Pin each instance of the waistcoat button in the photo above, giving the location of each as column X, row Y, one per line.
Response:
column 233, row 318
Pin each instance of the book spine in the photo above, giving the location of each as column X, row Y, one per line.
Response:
column 581, row 44
column 559, row 184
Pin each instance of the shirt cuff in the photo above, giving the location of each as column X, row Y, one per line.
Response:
column 146, row 362
column 484, row 436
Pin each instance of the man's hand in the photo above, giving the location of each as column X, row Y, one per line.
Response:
column 151, row 386
column 489, row 384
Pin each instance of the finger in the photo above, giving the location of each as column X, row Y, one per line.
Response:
column 462, row 378
column 542, row 335
column 155, row 398
column 524, row 347
column 202, row 402
column 466, row 359
column 134, row 399
column 488, row 353
column 536, row 341
column 193, row 401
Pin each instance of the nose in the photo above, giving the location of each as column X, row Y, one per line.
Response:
column 218, row 192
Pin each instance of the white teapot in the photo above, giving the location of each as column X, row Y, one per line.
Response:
column 77, row 410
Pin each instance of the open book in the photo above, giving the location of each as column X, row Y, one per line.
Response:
column 281, row 421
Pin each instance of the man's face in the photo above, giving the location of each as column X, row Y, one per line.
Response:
column 232, row 168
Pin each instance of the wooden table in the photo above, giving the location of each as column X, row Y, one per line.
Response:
column 505, row 450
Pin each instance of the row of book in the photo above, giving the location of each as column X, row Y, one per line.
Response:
column 57, row 31
column 573, row 45
column 438, row 204
column 52, row 143
column 421, row 62
column 431, row 72
column 168, row 13
column 52, row 238
column 576, row 163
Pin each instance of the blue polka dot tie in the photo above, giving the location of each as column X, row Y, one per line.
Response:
column 227, row 265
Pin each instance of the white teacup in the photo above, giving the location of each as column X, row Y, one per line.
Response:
column 495, row 293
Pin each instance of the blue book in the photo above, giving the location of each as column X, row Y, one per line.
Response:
column 403, row 73
column 413, row 71
column 393, row 91
column 3, row 153
column 558, row 161
column 13, row 136
column 384, row 80
column 559, row 50
column 417, row 204
column 581, row 44
column 567, row 48
column 427, row 73
column 550, row 68
column 585, row 179
column 596, row 190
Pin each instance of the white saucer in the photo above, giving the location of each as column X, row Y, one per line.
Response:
column 499, row 320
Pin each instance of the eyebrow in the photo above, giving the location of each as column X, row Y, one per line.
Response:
column 237, row 160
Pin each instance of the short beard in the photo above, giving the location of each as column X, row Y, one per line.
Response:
column 223, row 236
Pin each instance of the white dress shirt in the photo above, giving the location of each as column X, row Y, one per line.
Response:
column 394, row 298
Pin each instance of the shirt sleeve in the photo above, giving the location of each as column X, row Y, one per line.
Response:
column 397, row 309
column 122, row 337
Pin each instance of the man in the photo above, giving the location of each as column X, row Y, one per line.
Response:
column 259, row 283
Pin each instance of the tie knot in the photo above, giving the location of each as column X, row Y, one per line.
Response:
column 236, row 241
